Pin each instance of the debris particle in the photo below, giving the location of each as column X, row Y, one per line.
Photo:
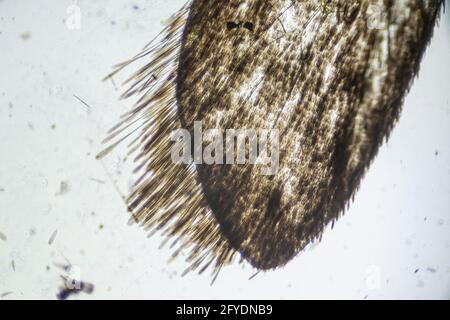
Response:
column 25, row 35
column 63, row 188
column 72, row 286
column 98, row 180
column 13, row 265
column 79, row 99
column 3, row 237
column 52, row 238
column 415, row 271
column 1, row 189
column 101, row 227
column 436, row 153
column 53, row 126
column 32, row 232
column 5, row 294
column 432, row 270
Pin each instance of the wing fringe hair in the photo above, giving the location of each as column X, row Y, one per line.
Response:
column 166, row 197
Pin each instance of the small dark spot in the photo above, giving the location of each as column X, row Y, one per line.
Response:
column 249, row 26
column 232, row 25
column 273, row 206
column 415, row 271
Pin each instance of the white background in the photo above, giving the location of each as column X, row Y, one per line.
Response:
column 394, row 242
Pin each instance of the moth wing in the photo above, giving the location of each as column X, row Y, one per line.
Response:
column 330, row 80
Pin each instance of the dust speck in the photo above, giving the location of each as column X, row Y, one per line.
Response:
column 63, row 188
column 25, row 35
column 5, row 294
column 432, row 270
column 3, row 237
column 52, row 237
column 99, row 181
